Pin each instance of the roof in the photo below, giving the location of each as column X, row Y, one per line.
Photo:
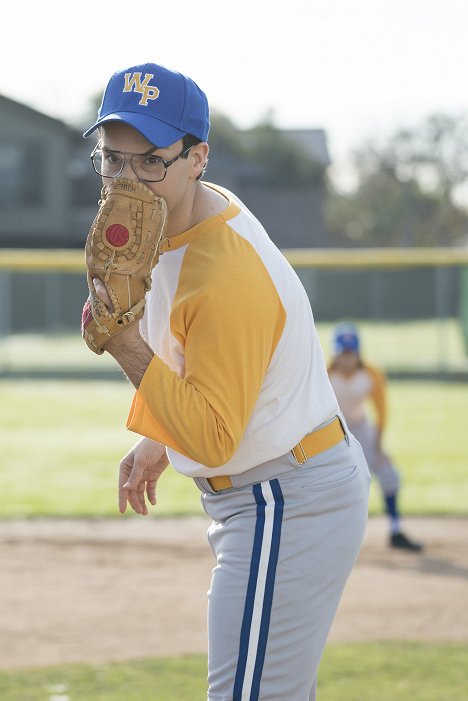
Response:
column 313, row 140
column 12, row 106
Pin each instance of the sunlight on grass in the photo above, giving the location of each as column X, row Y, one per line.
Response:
column 60, row 351
column 417, row 345
column 356, row 672
column 62, row 442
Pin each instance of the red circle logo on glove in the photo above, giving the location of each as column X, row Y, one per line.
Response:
column 117, row 235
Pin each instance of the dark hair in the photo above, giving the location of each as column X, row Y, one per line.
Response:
column 190, row 140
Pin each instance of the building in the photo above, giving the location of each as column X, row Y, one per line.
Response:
column 49, row 193
column 46, row 198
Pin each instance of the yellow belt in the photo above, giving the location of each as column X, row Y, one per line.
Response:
column 312, row 444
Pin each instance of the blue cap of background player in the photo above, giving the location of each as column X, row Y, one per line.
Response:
column 161, row 104
column 345, row 338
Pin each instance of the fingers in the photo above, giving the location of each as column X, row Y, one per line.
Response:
column 102, row 293
column 132, row 487
column 141, row 499
column 129, row 479
column 151, row 491
column 136, row 499
column 123, row 498
column 128, row 493
column 139, row 471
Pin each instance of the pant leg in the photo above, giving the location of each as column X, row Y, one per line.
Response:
column 385, row 471
column 284, row 549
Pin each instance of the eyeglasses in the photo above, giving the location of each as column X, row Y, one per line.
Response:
column 146, row 166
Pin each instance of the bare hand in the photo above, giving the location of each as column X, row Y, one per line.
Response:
column 139, row 471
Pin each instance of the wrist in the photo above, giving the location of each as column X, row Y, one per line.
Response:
column 127, row 340
column 131, row 352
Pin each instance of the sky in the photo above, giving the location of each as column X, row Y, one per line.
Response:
column 359, row 69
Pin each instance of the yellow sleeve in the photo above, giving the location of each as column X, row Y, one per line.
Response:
column 378, row 395
column 228, row 317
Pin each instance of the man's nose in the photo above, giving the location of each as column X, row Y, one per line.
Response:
column 127, row 170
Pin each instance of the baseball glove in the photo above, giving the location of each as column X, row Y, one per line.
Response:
column 122, row 249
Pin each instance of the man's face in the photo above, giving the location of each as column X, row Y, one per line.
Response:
column 116, row 136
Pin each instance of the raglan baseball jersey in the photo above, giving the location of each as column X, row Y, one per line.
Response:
column 353, row 392
column 238, row 377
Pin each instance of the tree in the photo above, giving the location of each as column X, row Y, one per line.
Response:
column 285, row 163
column 407, row 188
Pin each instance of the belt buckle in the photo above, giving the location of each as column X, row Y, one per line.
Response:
column 299, row 445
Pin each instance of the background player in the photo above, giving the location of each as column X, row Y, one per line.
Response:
column 358, row 384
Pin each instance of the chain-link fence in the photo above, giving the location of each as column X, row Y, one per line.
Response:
column 411, row 304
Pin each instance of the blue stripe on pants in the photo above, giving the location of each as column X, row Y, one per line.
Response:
column 259, row 597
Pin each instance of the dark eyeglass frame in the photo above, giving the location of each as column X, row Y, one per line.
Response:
column 128, row 156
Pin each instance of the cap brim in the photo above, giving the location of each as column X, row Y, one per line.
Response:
column 156, row 132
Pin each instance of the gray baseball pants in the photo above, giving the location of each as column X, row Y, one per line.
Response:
column 285, row 544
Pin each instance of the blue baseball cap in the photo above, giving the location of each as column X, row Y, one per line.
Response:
column 160, row 103
column 345, row 338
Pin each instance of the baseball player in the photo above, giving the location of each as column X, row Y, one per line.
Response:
column 232, row 389
column 358, row 384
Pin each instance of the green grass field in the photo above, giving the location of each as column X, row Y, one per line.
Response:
column 361, row 672
column 406, row 345
column 62, row 442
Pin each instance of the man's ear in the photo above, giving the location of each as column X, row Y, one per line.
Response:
column 199, row 153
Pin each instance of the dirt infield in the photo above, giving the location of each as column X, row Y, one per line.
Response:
column 110, row 589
